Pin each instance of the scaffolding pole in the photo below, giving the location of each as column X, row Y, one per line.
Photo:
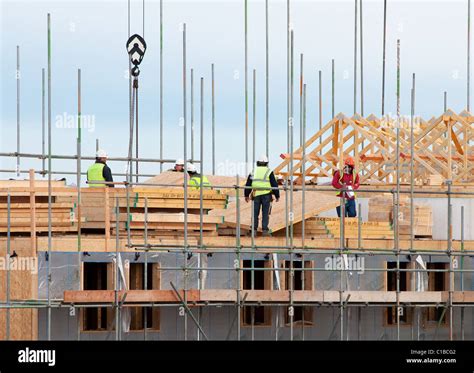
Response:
column 49, row 183
column 333, row 91
column 192, row 114
column 43, row 121
column 161, row 84
column 8, row 285
column 186, row 252
column 361, row 62
column 213, row 111
column 267, row 86
column 246, row 88
column 384, row 54
column 18, row 79
column 78, row 183
column 355, row 56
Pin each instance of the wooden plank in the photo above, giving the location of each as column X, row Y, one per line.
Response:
column 60, row 228
column 329, row 243
column 39, row 206
column 218, row 295
column 26, row 183
column 96, row 243
column 133, row 296
column 173, row 218
column 157, row 192
column 176, row 204
column 265, row 296
column 177, row 194
column 463, row 296
column 169, row 226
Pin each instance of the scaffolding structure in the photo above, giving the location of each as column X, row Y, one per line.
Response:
column 192, row 296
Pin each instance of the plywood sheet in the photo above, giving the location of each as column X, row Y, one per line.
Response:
column 315, row 203
column 23, row 286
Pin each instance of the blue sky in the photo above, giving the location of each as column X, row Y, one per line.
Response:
column 91, row 35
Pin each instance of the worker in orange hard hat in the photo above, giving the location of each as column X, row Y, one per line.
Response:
column 348, row 180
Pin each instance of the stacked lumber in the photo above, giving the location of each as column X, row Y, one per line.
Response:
column 322, row 227
column 29, row 209
column 165, row 210
column 381, row 210
column 160, row 198
column 381, row 206
column 313, row 227
column 26, row 183
column 435, row 180
column 422, row 221
column 164, row 224
column 226, row 229
column 368, row 229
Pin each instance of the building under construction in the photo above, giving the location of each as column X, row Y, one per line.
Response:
column 154, row 259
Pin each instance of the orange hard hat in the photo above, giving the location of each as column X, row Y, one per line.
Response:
column 349, row 161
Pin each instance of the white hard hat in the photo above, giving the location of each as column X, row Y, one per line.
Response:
column 180, row 161
column 263, row 158
column 101, row 153
column 191, row 167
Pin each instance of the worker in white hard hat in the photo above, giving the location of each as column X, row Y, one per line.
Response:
column 99, row 171
column 196, row 180
column 259, row 188
column 178, row 166
column 280, row 180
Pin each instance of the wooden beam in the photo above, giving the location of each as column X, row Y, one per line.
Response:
column 266, row 296
column 133, row 296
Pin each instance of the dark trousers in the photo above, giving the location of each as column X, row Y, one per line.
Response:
column 263, row 201
column 350, row 209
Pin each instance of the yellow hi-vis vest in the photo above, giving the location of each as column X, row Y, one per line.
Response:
column 261, row 179
column 195, row 182
column 94, row 173
column 354, row 176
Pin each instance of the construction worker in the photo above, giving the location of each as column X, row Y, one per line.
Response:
column 280, row 180
column 195, row 178
column 99, row 171
column 257, row 183
column 349, row 180
column 179, row 166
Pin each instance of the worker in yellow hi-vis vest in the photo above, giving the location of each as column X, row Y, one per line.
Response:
column 99, row 171
column 196, row 180
column 259, row 188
